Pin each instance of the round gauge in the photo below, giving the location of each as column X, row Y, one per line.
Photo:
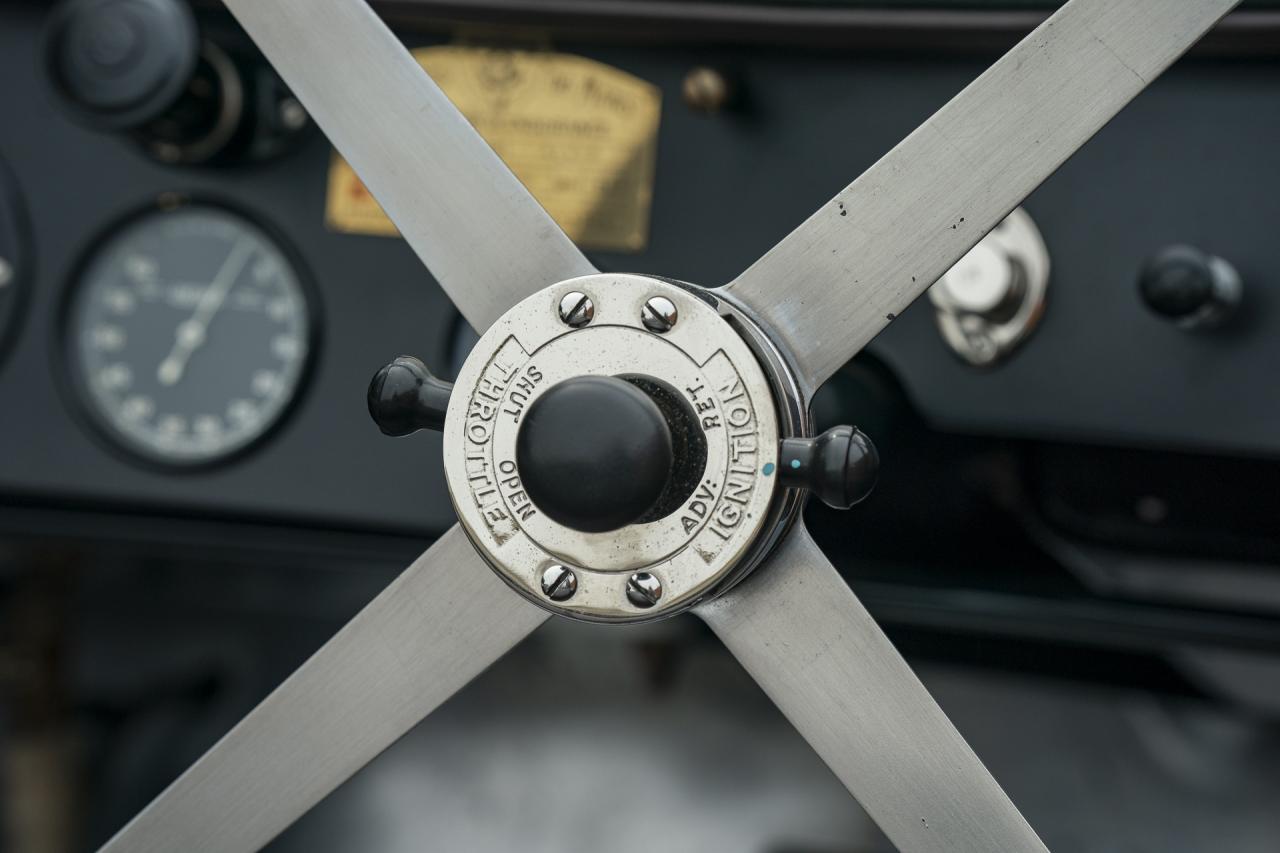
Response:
column 189, row 331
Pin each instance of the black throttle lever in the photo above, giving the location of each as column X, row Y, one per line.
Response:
column 405, row 397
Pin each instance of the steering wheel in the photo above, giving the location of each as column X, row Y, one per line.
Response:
column 622, row 448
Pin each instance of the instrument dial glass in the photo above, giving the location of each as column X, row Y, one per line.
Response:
column 189, row 332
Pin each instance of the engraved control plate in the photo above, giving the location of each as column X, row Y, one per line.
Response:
column 529, row 350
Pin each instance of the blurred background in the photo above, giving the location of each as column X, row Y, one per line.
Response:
column 1075, row 537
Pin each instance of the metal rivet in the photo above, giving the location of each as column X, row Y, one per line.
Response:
column 644, row 590
column 6, row 272
column 576, row 309
column 659, row 314
column 706, row 90
column 292, row 114
column 559, row 583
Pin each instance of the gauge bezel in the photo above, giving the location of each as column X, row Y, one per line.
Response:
column 75, row 385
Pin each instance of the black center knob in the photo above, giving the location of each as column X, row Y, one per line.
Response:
column 595, row 453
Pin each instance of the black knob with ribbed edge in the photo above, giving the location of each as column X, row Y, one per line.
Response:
column 405, row 397
column 595, row 453
column 840, row 466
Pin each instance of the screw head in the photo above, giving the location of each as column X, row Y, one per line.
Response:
column 292, row 114
column 659, row 314
column 559, row 583
column 706, row 90
column 576, row 309
column 644, row 590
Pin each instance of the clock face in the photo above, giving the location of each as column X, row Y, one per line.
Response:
column 188, row 334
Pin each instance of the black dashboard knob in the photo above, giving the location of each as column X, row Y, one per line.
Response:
column 405, row 397
column 1189, row 287
column 595, row 453
column 840, row 466
column 119, row 64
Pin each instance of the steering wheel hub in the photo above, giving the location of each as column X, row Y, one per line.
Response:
column 624, row 454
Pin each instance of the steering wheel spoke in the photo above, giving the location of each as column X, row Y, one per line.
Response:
column 803, row 635
column 832, row 284
column 436, row 627
column 483, row 236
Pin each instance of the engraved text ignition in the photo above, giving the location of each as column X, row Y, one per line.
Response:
column 728, row 409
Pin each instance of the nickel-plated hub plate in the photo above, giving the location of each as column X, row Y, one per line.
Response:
column 530, row 349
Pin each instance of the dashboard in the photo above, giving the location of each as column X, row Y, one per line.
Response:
column 190, row 312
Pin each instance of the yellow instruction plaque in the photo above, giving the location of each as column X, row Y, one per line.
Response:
column 582, row 136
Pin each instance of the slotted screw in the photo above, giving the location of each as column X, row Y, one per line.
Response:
column 659, row 314
column 559, row 583
column 644, row 590
column 576, row 309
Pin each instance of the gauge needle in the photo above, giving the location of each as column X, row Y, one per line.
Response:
column 191, row 333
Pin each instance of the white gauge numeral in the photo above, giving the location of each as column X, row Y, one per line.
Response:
column 140, row 268
column 207, row 426
column 184, row 295
column 137, row 408
column 119, row 301
column 265, row 382
column 286, row 347
column 242, row 411
column 107, row 338
column 281, row 310
column 171, row 426
column 115, row 377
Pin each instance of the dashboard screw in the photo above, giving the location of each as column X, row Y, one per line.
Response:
column 559, row 583
column 644, row 590
column 576, row 309
column 292, row 114
column 706, row 90
column 659, row 314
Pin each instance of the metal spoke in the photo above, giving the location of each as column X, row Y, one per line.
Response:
column 803, row 635
column 483, row 236
column 831, row 285
column 437, row 626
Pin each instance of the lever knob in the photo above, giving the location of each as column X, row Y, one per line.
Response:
column 405, row 397
column 595, row 453
column 1192, row 288
column 840, row 466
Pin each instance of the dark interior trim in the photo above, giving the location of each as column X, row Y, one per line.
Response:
column 1251, row 32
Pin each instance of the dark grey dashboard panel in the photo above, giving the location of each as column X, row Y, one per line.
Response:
column 1191, row 160
column 328, row 464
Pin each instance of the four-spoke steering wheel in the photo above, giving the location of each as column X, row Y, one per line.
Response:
column 621, row 448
